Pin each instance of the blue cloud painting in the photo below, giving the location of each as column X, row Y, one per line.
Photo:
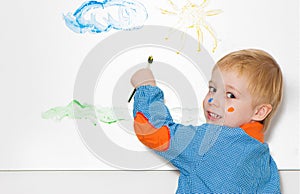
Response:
column 102, row 16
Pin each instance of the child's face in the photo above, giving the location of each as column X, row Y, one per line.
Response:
column 228, row 101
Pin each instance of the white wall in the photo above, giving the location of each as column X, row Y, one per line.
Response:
column 40, row 58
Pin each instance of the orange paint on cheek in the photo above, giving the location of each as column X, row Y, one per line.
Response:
column 230, row 109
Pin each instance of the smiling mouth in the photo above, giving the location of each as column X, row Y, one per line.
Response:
column 213, row 116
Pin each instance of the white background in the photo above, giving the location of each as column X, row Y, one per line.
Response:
column 40, row 58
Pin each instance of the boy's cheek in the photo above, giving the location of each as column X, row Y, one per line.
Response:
column 204, row 102
column 203, row 105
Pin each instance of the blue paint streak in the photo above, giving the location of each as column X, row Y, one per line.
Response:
column 102, row 16
column 210, row 100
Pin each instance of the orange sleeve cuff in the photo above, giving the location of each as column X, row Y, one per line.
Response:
column 154, row 138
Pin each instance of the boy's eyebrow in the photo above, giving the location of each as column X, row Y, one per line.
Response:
column 233, row 88
column 227, row 87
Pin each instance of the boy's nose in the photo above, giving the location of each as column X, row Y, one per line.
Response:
column 215, row 101
column 212, row 101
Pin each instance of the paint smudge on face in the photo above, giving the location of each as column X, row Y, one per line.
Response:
column 230, row 109
column 210, row 100
column 102, row 16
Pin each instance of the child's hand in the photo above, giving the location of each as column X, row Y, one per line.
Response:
column 143, row 77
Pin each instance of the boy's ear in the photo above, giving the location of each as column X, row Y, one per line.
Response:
column 261, row 112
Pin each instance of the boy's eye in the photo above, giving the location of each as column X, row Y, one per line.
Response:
column 230, row 95
column 212, row 89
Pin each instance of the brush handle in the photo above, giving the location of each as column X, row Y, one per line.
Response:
column 132, row 94
column 150, row 60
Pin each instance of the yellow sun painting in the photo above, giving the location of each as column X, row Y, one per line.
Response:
column 193, row 16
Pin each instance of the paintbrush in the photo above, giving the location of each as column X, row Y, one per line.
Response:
column 150, row 60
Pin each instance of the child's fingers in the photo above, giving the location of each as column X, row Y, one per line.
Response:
column 142, row 77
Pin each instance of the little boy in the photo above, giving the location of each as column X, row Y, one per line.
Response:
column 227, row 154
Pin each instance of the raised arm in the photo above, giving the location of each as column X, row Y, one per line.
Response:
column 153, row 122
column 151, row 117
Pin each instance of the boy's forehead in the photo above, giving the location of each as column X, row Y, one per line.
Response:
column 218, row 73
column 230, row 79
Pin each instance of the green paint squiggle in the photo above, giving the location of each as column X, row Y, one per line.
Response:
column 77, row 110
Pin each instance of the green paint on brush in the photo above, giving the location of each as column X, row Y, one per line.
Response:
column 77, row 110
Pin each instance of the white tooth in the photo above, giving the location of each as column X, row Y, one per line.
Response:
column 214, row 115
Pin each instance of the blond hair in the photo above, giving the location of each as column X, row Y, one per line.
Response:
column 263, row 74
